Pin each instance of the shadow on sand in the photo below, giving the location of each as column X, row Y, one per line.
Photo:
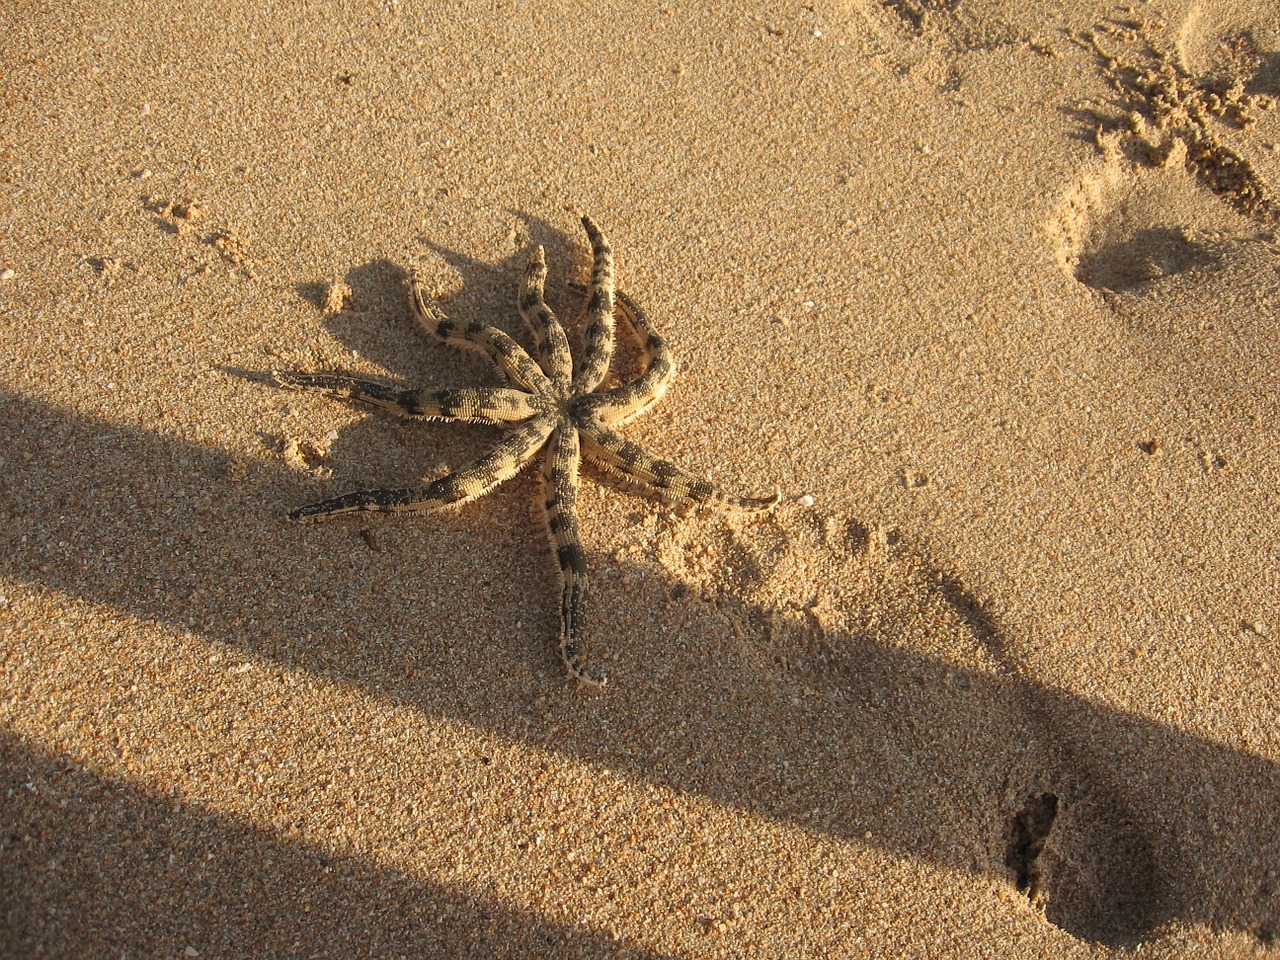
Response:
column 1115, row 823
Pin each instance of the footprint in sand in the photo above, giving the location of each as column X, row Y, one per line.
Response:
column 844, row 682
column 1180, row 212
column 1204, row 101
column 1124, row 227
column 1230, row 44
column 908, row 716
column 1168, row 284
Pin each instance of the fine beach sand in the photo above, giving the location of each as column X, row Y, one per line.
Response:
column 989, row 289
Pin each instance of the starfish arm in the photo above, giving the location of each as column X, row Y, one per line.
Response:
column 552, row 346
column 508, row 356
column 623, row 404
column 491, row 405
column 642, row 472
column 560, row 485
column 501, row 463
column 599, row 339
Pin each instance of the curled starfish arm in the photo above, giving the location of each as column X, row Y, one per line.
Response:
column 508, row 356
column 623, row 404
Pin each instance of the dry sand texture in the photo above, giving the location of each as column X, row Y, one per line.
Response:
column 995, row 284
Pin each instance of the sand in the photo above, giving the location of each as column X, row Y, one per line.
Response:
column 988, row 289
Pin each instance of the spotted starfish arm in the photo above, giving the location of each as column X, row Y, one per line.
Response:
column 549, row 340
column 508, row 356
column 560, row 485
column 598, row 351
column 551, row 406
column 641, row 472
column 623, row 404
column 491, row 405
column 503, row 462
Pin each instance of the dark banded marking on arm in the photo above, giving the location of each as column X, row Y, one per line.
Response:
column 491, row 405
column 623, row 404
column 508, row 356
column 663, row 479
column 503, row 462
column 598, row 349
column 549, row 340
column 560, row 486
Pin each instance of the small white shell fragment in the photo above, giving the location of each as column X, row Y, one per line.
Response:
column 805, row 501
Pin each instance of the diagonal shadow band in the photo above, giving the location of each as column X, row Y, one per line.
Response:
column 94, row 867
column 880, row 744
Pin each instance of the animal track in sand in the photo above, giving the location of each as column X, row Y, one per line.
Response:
column 1186, row 171
column 1197, row 104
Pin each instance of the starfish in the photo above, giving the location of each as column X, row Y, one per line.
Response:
column 548, row 407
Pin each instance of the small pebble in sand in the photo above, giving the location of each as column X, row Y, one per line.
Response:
column 805, row 501
column 308, row 455
column 336, row 295
column 7, row 273
column 912, row 480
column 185, row 210
column 190, row 210
column 233, row 247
